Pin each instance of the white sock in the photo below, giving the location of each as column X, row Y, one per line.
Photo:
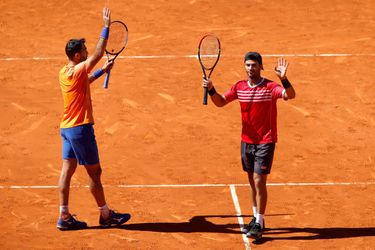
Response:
column 260, row 219
column 104, row 211
column 64, row 210
column 255, row 213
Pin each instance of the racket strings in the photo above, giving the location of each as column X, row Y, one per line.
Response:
column 209, row 51
column 117, row 38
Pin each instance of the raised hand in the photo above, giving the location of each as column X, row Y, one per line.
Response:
column 106, row 16
column 281, row 68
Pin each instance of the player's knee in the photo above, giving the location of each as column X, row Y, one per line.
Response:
column 68, row 168
column 96, row 184
column 95, row 175
column 94, row 170
column 260, row 180
column 66, row 175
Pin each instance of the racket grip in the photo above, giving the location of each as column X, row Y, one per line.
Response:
column 106, row 80
column 204, row 95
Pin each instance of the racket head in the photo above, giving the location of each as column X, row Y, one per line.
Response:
column 118, row 38
column 209, row 50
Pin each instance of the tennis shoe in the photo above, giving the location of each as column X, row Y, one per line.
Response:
column 256, row 231
column 70, row 224
column 246, row 228
column 114, row 218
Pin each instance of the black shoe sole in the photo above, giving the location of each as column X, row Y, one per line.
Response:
column 255, row 237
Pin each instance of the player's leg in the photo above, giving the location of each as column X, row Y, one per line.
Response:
column 262, row 167
column 107, row 216
column 260, row 182
column 247, row 159
column 248, row 226
column 66, row 221
column 68, row 168
column 89, row 157
column 86, row 151
column 253, row 193
column 95, row 171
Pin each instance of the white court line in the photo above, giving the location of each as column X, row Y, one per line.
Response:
column 239, row 215
column 195, row 56
column 200, row 185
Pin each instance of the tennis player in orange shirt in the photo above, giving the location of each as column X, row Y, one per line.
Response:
column 76, row 128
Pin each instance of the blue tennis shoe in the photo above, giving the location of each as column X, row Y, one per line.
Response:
column 71, row 224
column 115, row 219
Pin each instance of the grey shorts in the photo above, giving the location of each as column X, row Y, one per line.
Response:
column 257, row 157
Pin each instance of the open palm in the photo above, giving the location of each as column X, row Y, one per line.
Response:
column 281, row 68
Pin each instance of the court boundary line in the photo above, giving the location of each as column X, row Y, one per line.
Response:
column 232, row 188
column 46, row 58
column 194, row 185
column 239, row 215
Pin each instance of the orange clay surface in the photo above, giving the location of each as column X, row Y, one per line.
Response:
column 152, row 128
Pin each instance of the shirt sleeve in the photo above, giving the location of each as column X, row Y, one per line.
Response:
column 231, row 93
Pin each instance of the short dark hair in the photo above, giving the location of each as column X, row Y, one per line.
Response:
column 255, row 56
column 74, row 46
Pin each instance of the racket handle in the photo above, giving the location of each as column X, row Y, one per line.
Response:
column 204, row 95
column 106, row 80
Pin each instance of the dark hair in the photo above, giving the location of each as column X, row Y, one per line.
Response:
column 74, row 46
column 255, row 56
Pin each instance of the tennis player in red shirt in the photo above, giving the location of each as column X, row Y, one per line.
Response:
column 257, row 97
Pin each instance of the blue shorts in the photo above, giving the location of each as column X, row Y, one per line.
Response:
column 257, row 158
column 79, row 143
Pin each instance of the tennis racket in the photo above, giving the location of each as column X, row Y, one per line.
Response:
column 118, row 38
column 208, row 55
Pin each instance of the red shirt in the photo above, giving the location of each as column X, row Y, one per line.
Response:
column 258, row 109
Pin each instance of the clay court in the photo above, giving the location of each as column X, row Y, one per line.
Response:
column 173, row 163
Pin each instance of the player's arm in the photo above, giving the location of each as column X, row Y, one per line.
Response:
column 280, row 70
column 216, row 98
column 289, row 90
column 99, row 72
column 102, row 43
